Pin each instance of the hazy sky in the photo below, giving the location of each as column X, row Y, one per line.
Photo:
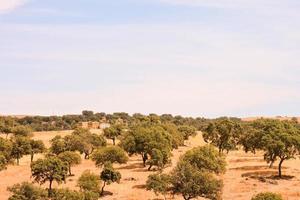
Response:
column 190, row 57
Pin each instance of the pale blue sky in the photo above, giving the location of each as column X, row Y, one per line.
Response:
column 190, row 57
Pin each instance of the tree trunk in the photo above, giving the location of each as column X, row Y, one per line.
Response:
column 149, row 168
column 279, row 168
column 70, row 173
column 114, row 141
column 144, row 157
column 50, row 188
column 31, row 156
column 18, row 162
column 86, row 156
column 271, row 164
column 102, row 189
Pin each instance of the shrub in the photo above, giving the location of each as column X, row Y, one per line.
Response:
column 267, row 196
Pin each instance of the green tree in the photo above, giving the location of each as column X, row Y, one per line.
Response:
column 5, row 151
column 153, row 143
column 173, row 134
column 112, row 154
column 267, row 196
column 71, row 158
column 109, row 175
column 135, row 142
column 159, row 158
column 5, row 129
column 280, row 140
column 26, row 191
column 49, row 169
column 20, row 147
column 205, row 158
column 159, row 184
column 113, row 132
column 187, row 131
column 66, row 194
column 36, row 146
column 24, row 131
column 192, row 183
column 89, row 183
column 3, row 162
column 223, row 133
column 58, row 145
column 84, row 141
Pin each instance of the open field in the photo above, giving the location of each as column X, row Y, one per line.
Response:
column 246, row 175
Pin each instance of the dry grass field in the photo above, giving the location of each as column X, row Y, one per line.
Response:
column 246, row 175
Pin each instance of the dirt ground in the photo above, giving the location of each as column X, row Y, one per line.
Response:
column 246, row 175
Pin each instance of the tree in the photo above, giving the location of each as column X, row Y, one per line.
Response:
column 58, row 145
column 89, row 183
column 223, row 133
column 24, row 131
column 283, row 142
column 158, row 158
column 3, row 162
column 205, row 158
column 173, row 134
column 84, row 141
column 71, row 158
column 49, row 169
column 26, row 191
column 5, row 129
column 191, row 182
column 153, row 143
column 187, row 131
column 159, row 184
column 5, row 152
column 113, row 132
column 267, row 196
column 135, row 142
column 67, row 194
column 112, row 154
column 36, row 146
column 20, row 147
column 278, row 139
column 109, row 175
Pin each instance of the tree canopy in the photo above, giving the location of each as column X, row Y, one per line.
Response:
column 49, row 169
column 110, row 154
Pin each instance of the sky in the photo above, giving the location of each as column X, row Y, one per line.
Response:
column 200, row 58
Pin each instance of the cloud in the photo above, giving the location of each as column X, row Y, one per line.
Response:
column 10, row 5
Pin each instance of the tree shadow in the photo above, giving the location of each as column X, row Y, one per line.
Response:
column 267, row 176
column 142, row 186
column 141, row 170
column 107, row 193
column 246, row 160
column 250, row 168
column 132, row 166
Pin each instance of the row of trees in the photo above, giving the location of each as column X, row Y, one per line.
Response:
column 18, row 146
column 279, row 140
column 68, row 122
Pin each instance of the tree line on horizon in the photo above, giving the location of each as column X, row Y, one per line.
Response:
column 70, row 122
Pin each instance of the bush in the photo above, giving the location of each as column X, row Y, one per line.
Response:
column 27, row 191
column 267, row 196
column 89, row 182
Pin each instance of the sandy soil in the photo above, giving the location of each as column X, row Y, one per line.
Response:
column 238, row 183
